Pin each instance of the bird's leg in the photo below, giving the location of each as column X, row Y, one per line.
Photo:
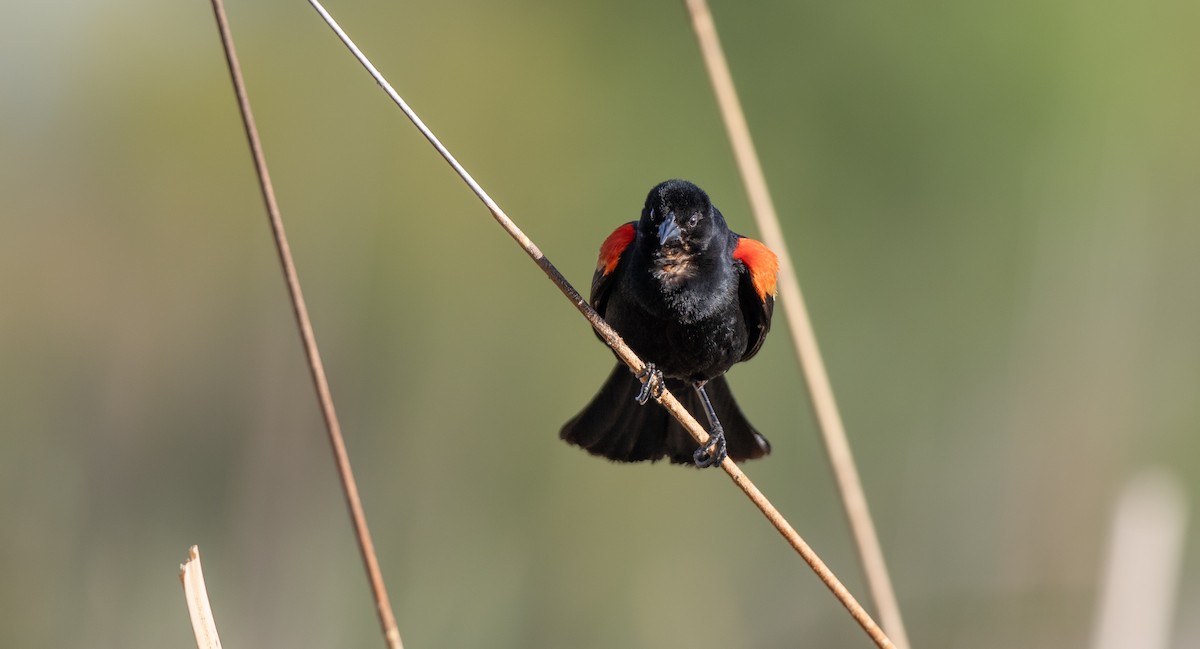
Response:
column 713, row 452
column 652, row 384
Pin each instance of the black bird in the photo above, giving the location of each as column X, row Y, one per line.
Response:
column 691, row 297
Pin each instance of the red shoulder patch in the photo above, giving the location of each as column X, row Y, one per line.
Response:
column 762, row 264
column 614, row 246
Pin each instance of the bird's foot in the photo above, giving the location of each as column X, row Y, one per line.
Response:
column 652, row 384
column 713, row 453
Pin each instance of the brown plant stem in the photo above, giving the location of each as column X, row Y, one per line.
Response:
column 623, row 352
column 191, row 575
column 820, row 391
column 383, row 607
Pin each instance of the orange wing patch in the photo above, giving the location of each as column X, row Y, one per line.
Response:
column 762, row 264
column 614, row 246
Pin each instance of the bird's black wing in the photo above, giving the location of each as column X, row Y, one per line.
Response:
column 757, row 270
column 611, row 253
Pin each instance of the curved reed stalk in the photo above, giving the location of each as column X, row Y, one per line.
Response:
column 622, row 350
column 383, row 608
column 808, row 353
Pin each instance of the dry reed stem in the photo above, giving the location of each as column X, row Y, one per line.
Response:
column 820, row 391
column 383, row 607
column 191, row 575
column 1146, row 543
column 623, row 352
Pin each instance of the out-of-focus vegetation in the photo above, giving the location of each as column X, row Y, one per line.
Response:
column 993, row 207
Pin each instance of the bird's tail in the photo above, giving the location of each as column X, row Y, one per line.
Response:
column 613, row 425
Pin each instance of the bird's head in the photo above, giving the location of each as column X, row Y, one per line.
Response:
column 681, row 225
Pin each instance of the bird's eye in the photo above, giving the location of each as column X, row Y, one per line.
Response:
column 693, row 220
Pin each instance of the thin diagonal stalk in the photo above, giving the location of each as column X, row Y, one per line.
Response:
column 622, row 350
column 820, row 391
column 383, row 607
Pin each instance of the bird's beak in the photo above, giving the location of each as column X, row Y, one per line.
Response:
column 668, row 232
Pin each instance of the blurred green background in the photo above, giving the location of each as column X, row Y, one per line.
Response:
column 993, row 209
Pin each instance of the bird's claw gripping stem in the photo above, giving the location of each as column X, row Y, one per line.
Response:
column 652, row 384
column 713, row 453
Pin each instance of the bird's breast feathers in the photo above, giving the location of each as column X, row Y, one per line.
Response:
column 673, row 266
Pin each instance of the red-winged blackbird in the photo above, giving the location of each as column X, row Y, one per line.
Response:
column 691, row 298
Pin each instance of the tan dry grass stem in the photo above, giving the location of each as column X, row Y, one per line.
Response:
column 387, row 619
column 191, row 575
column 621, row 349
column 820, row 391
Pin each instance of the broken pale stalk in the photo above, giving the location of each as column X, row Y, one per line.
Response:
column 191, row 575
